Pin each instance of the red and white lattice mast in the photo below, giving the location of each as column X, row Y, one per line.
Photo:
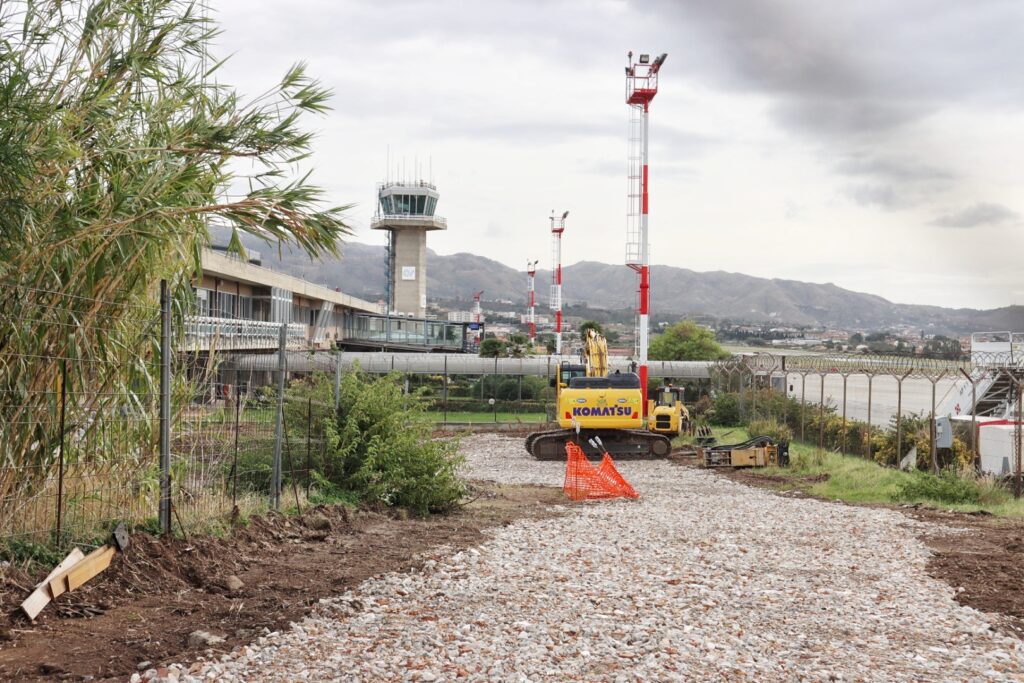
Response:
column 641, row 87
column 531, row 299
column 477, row 312
column 557, row 228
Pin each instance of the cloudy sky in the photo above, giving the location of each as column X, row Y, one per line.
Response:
column 878, row 145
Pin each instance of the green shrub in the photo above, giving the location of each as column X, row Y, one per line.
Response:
column 372, row 449
column 380, row 451
column 947, row 487
column 255, row 466
column 726, row 410
column 779, row 433
column 806, row 459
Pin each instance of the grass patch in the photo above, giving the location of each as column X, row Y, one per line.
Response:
column 856, row 480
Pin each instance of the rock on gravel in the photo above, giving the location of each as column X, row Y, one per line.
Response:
column 701, row 579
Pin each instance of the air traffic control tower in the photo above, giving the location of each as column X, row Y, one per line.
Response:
column 406, row 211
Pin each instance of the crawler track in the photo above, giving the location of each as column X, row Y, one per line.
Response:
column 622, row 444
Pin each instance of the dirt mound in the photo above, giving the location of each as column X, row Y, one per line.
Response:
column 264, row 575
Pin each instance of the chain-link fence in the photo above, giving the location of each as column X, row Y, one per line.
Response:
column 78, row 427
column 847, row 402
column 199, row 423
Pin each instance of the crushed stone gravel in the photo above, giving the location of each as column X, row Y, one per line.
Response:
column 700, row 579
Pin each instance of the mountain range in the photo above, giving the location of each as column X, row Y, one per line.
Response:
column 678, row 291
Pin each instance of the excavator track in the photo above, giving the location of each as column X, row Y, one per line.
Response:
column 622, row 444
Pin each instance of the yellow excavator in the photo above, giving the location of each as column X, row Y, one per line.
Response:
column 592, row 403
column 666, row 413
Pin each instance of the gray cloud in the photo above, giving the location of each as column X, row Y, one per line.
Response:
column 888, row 167
column 842, row 69
column 979, row 214
column 881, row 196
column 891, row 183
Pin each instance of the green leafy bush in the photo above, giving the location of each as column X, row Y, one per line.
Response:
column 806, row 460
column 726, row 410
column 947, row 487
column 380, row 451
column 779, row 433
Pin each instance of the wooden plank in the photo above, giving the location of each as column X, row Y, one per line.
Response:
column 91, row 566
column 40, row 597
column 99, row 559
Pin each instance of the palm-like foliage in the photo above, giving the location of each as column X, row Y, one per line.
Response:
column 117, row 148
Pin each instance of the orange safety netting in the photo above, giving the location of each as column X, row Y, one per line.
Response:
column 583, row 481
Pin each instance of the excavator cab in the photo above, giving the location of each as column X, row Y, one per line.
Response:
column 564, row 374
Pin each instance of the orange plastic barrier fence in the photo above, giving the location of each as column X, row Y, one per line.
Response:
column 583, row 481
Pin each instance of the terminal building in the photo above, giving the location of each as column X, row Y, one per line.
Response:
column 241, row 306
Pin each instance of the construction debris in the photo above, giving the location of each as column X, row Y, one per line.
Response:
column 73, row 571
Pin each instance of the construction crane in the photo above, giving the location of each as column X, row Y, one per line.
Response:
column 641, row 87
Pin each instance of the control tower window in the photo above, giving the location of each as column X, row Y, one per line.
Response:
column 419, row 204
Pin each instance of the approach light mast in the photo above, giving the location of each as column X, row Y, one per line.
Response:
column 557, row 228
column 641, row 87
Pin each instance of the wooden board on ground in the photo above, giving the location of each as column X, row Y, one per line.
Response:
column 40, row 597
column 86, row 568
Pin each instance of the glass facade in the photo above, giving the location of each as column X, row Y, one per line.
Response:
column 379, row 328
column 408, row 205
column 211, row 304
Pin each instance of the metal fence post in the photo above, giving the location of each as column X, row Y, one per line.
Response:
column 870, row 429
column 309, row 435
column 974, row 420
column 445, row 388
column 275, row 477
column 803, row 402
column 165, row 409
column 821, row 413
column 60, row 464
column 842, row 448
column 1019, row 439
column 337, row 381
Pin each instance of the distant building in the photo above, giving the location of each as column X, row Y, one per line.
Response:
column 241, row 306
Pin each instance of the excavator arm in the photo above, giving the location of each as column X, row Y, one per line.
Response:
column 595, row 354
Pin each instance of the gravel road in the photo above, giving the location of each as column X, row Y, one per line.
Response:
column 701, row 579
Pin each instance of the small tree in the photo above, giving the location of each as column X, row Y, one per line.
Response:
column 118, row 150
column 686, row 341
column 590, row 325
column 518, row 345
column 492, row 348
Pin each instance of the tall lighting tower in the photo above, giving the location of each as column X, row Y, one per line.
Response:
column 641, row 87
column 531, row 299
column 557, row 228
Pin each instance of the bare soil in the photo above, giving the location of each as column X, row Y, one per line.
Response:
column 982, row 556
column 153, row 596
